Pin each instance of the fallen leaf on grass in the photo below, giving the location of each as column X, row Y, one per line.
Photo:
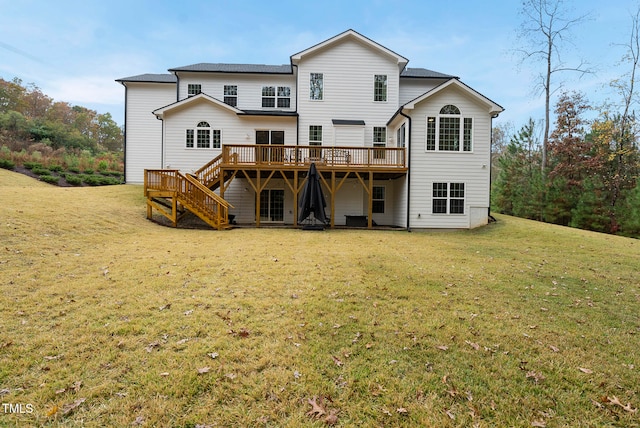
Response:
column 52, row 357
column 139, row 421
column 204, row 370
column 337, row 361
column 332, row 417
column 554, row 348
column 442, row 347
column 537, row 377
column 615, row 401
column 401, row 410
column 539, row 424
column 317, row 407
column 164, row 374
column 386, row 412
column 70, row 407
column 472, row 344
column 450, row 414
column 213, row 355
column 4, row 391
column 583, row 370
column 53, row 410
column 165, row 307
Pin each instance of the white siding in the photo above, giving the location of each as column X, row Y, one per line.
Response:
column 471, row 168
column 347, row 135
column 144, row 132
column 412, row 88
column 348, row 72
column 249, row 87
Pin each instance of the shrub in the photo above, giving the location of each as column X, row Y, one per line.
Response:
column 103, row 166
column 74, row 180
column 88, row 171
column 32, row 165
column 74, row 169
column 50, row 179
column 40, row 171
column 7, row 164
column 56, row 168
column 91, row 180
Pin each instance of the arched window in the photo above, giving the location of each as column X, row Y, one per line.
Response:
column 449, row 109
column 204, row 136
column 448, row 129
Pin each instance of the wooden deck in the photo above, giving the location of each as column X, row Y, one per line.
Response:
column 258, row 164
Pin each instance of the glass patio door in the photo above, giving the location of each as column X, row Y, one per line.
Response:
column 272, row 205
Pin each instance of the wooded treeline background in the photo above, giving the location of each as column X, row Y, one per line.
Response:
column 567, row 169
column 28, row 117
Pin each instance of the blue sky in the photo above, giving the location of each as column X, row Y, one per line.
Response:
column 74, row 50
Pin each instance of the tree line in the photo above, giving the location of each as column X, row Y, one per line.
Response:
column 591, row 177
column 29, row 116
column 584, row 173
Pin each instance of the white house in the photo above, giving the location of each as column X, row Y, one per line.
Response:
column 396, row 146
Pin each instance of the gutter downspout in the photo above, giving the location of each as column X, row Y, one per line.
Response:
column 124, row 133
column 491, row 218
column 408, row 147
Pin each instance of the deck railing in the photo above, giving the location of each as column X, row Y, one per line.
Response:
column 190, row 193
column 302, row 156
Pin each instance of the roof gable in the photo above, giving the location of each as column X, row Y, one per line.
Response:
column 349, row 35
column 201, row 97
column 493, row 108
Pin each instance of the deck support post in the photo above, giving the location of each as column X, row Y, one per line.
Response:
column 258, row 191
column 295, row 198
column 369, row 218
column 333, row 200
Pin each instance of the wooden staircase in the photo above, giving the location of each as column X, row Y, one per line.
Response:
column 172, row 194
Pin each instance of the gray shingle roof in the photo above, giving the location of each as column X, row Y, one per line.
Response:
column 423, row 72
column 236, row 68
column 151, row 78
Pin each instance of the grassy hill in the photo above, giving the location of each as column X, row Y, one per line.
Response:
column 107, row 319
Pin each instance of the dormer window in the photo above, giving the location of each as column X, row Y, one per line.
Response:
column 193, row 89
column 448, row 129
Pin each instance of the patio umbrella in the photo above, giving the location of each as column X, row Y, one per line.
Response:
column 312, row 199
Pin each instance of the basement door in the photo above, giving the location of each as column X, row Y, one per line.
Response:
column 272, row 205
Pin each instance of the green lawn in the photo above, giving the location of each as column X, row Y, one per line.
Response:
column 107, row 319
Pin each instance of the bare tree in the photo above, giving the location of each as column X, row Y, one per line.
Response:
column 545, row 28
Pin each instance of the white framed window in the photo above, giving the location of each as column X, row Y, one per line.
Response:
column 448, row 129
column 315, row 135
column 231, row 95
column 378, row 198
column 316, row 86
column 284, row 97
column 190, row 138
column 315, row 139
column 380, row 87
column 379, row 140
column 448, row 198
column 280, row 96
column 203, row 137
column 268, row 96
column 193, row 89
